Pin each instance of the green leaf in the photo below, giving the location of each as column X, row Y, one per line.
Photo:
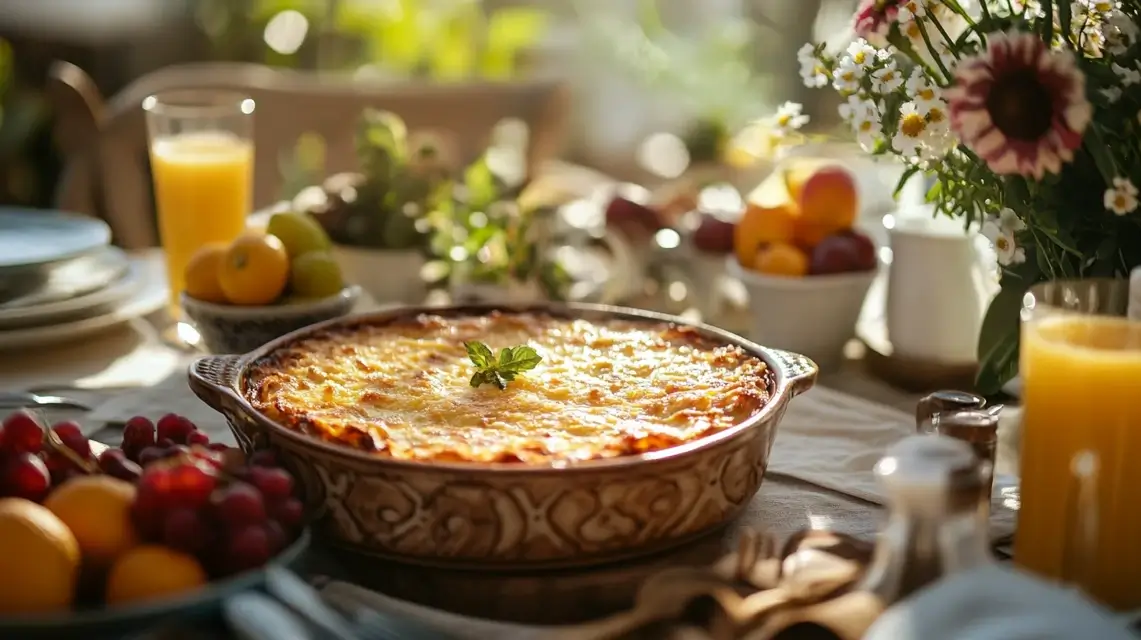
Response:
column 479, row 354
column 999, row 334
column 480, row 183
column 907, row 174
column 1064, row 20
column 521, row 358
column 1100, row 152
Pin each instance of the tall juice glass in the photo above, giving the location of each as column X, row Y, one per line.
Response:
column 202, row 163
column 1080, row 515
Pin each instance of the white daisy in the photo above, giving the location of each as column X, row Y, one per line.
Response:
column 789, row 118
column 866, row 126
column 1004, row 243
column 847, row 76
column 887, row 79
column 1128, row 76
column 1113, row 94
column 912, row 131
column 1120, row 31
column 807, row 54
column 1008, row 220
column 1121, row 198
column 938, row 118
column 862, row 53
column 815, row 75
column 920, row 89
column 910, row 10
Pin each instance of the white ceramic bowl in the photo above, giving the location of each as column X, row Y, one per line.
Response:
column 813, row 315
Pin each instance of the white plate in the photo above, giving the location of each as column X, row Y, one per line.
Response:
column 149, row 296
column 118, row 290
column 33, row 237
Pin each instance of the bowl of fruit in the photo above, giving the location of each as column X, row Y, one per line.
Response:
column 101, row 541
column 265, row 284
column 805, row 267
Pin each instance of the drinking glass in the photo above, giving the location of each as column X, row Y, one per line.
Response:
column 202, row 160
column 1079, row 520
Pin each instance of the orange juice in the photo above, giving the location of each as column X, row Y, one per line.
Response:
column 202, row 188
column 1080, row 393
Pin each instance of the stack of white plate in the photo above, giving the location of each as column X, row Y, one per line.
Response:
column 60, row 279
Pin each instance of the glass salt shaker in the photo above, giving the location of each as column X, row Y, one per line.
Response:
column 934, row 526
column 947, row 400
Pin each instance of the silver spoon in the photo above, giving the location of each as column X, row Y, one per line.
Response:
column 21, row 399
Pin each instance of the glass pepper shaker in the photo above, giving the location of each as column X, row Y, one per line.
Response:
column 934, row 525
column 963, row 416
column 947, row 400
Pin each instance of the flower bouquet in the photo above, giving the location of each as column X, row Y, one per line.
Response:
column 1024, row 114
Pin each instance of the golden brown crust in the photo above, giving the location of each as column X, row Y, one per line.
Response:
column 604, row 389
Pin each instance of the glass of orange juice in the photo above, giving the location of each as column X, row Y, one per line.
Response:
column 1079, row 520
column 202, row 162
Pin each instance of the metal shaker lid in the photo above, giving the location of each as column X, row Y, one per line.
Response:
column 946, row 400
column 931, row 472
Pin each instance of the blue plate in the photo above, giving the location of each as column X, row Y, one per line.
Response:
column 198, row 607
column 30, row 237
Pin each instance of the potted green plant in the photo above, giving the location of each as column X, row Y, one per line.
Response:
column 378, row 217
column 492, row 247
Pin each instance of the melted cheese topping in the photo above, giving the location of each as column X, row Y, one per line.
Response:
column 603, row 389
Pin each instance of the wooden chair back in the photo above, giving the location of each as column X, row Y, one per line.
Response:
column 106, row 168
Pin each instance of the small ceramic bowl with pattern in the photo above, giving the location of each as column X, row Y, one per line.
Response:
column 238, row 329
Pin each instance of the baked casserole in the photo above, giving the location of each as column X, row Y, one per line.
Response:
column 604, row 388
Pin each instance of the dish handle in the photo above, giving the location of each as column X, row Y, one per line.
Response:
column 799, row 371
column 212, row 379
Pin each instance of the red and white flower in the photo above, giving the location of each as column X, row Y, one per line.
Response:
column 1019, row 105
column 874, row 20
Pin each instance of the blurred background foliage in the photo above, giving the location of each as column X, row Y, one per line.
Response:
column 443, row 40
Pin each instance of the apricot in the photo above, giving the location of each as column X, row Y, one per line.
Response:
column 761, row 225
column 781, row 259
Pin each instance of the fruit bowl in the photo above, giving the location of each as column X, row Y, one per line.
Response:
column 103, row 541
column 814, row 315
column 116, row 622
column 238, row 329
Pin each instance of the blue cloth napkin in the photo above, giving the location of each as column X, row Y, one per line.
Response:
column 998, row 603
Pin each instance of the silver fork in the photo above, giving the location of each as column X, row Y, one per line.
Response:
column 22, row 399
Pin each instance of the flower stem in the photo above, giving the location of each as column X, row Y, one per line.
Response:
column 934, row 53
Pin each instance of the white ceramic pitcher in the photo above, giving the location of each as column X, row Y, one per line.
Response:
column 940, row 281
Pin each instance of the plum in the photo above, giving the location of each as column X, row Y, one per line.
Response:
column 714, row 235
column 844, row 252
column 632, row 218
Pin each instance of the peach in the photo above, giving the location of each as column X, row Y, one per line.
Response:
column 781, row 259
column 827, row 200
column 761, row 225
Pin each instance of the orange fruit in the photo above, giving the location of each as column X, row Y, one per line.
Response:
column 255, row 269
column 97, row 510
column 39, row 565
column 761, row 225
column 151, row 572
column 202, row 282
column 781, row 259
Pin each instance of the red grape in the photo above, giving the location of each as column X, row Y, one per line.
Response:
column 174, row 428
column 177, row 450
column 23, row 433
column 197, row 437
column 240, row 504
column 289, row 512
column 273, row 483
column 115, row 463
column 60, row 467
column 150, row 455
column 165, row 443
column 138, row 434
column 263, row 458
column 25, row 476
column 184, row 529
column 71, row 435
column 247, row 548
column 275, row 533
column 190, row 486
